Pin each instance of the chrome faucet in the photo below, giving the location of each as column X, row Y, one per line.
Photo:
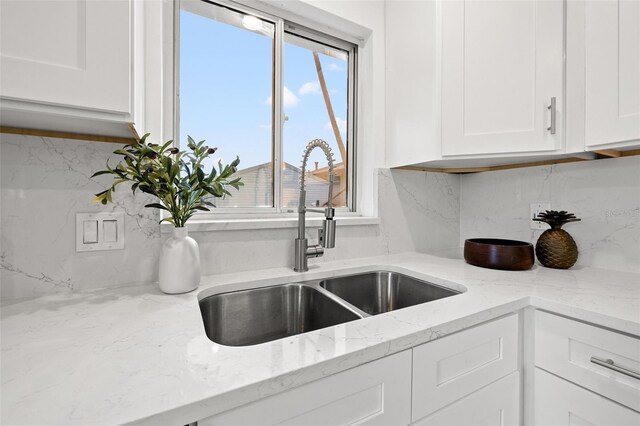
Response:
column 327, row 234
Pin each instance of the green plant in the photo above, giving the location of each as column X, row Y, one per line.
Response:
column 176, row 178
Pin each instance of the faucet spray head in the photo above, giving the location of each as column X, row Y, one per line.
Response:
column 327, row 234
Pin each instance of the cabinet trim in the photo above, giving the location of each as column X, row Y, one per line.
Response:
column 596, row 155
column 66, row 135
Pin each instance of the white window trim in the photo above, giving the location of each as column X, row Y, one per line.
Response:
column 280, row 222
column 364, row 168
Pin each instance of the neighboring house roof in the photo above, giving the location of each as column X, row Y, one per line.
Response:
column 258, row 183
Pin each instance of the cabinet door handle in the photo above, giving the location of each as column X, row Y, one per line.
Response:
column 552, row 108
column 608, row 363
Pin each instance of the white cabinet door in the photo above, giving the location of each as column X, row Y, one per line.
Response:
column 377, row 393
column 494, row 405
column 449, row 368
column 502, row 63
column 70, row 53
column 558, row 402
column 612, row 66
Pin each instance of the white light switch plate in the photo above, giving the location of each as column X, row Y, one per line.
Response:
column 534, row 209
column 110, row 228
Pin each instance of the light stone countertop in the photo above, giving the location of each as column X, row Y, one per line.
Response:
column 136, row 355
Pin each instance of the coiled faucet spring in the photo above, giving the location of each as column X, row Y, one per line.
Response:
column 326, row 235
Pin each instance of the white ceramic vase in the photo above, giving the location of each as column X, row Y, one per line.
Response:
column 179, row 263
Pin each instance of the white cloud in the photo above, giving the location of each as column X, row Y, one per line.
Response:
column 312, row 87
column 335, row 67
column 342, row 125
column 289, row 100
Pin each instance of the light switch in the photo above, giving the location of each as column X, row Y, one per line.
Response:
column 110, row 231
column 90, row 231
column 99, row 231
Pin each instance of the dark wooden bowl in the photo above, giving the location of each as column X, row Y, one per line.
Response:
column 493, row 253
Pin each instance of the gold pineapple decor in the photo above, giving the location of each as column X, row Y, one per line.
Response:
column 555, row 247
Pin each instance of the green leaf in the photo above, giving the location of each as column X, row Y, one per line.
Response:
column 102, row 172
column 166, row 145
column 168, row 219
column 146, row 188
column 100, row 197
column 157, row 206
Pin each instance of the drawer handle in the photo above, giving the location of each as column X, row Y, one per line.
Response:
column 608, row 363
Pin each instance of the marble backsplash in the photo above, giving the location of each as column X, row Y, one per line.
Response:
column 605, row 194
column 45, row 182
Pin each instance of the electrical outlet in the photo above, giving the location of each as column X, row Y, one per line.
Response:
column 534, row 209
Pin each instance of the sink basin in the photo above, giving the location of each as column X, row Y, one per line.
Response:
column 259, row 315
column 382, row 291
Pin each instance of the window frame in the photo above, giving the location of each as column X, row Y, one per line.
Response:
column 281, row 28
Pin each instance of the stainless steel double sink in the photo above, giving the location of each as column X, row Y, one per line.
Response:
column 258, row 315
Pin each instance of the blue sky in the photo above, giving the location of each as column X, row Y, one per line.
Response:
column 225, row 90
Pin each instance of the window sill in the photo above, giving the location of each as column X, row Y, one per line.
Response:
column 267, row 223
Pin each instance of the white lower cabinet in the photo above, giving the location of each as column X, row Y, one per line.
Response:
column 584, row 374
column 473, row 378
column 377, row 393
column 579, row 352
column 450, row 368
column 493, row 405
column 467, row 378
column 559, row 402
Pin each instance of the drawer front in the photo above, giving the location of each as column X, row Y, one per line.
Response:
column 447, row 369
column 570, row 349
column 495, row 405
column 377, row 393
column 558, row 402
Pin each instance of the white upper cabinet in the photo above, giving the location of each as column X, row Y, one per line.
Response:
column 473, row 81
column 502, row 65
column 612, row 73
column 67, row 58
column 488, row 82
column 71, row 53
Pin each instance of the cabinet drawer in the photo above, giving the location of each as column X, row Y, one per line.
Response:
column 558, row 402
column 496, row 404
column 566, row 348
column 447, row 369
column 376, row 393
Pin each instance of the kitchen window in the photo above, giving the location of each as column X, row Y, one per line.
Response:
column 260, row 87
